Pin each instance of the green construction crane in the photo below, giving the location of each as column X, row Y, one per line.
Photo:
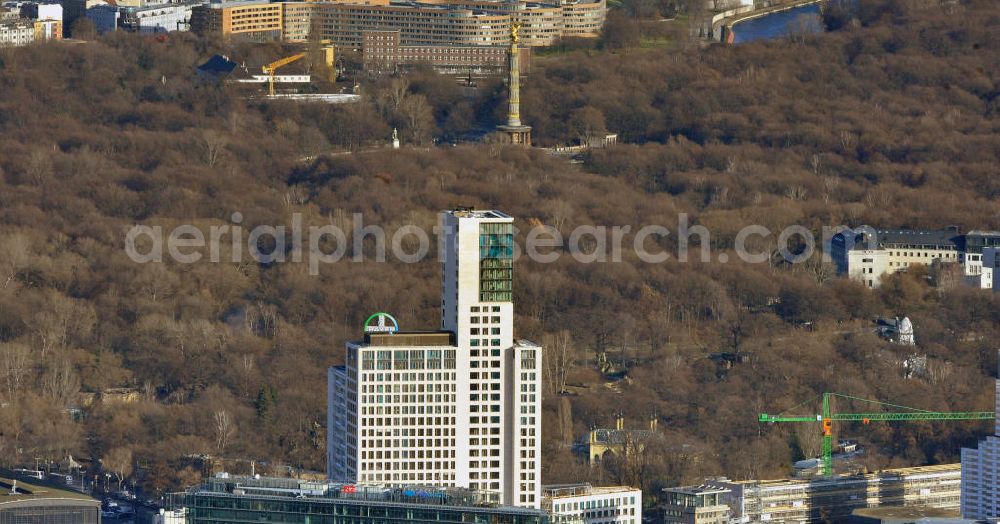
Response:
column 827, row 418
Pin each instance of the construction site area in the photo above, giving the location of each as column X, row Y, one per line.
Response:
column 823, row 494
column 836, row 498
column 298, row 74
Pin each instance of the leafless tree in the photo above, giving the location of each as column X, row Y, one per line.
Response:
column 557, row 361
column 119, row 462
column 394, row 95
column 417, row 115
column 560, row 211
column 213, row 143
column 946, row 275
column 61, row 382
column 15, row 256
column 631, row 462
column 65, row 318
column 878, row 199
column 262, row 320
column 225, row 428
column 802, row 26
column 247, row 371
column 16, row 364
column 495, row 143
column 809, row 439
column 848, row 140
column 40, row 166
column 796, row 192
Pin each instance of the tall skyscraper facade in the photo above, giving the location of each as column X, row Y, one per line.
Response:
column 460, row 406
column 981, row 474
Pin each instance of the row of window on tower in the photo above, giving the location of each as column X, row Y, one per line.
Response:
column 405, row 421
column 436, row 431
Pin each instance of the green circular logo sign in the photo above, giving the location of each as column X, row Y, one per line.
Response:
column 381, row 323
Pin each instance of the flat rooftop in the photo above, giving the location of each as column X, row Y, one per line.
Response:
column 410, row 3
column 916, row 470
column 409, row 339
column 923, row 469
column 696, row 490
column 276, row 488
column 27, row 491
column 908, row 513
column 579, row 490
column 474, row 213
column 236, row 3
column 944, row 237
column 847, row 477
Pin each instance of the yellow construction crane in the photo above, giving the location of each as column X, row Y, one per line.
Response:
column 269, row 69
column 326, row 56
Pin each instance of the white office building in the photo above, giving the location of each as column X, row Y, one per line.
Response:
column 585, row 504
column 456, row 407
column 973, row 254
column 981, row 474
column 866, row 254
column 164, row 17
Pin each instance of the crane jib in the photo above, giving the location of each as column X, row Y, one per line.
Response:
column 828, row 416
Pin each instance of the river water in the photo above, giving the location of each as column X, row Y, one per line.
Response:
column 779, row 24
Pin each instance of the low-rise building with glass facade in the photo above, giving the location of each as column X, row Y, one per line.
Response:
column 586, row 504
column 696, row 505
column 234, row 499
column 23, row 503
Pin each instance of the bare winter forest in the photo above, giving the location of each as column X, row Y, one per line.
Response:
column 892, row 119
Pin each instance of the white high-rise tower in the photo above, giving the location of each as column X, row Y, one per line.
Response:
column 456, row 407
column 980, row 498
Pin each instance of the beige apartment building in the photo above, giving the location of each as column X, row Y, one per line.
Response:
column 382, row 52
column 419, row 24
column 583, row 19
column 255, row 20
column 425, row 23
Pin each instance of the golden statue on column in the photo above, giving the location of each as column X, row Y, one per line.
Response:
column 514, row 131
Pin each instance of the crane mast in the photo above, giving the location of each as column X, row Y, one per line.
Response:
column 271, row 68
column 325, row 55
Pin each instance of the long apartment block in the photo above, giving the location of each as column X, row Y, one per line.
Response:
column 430, row 22
column 869, row 254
